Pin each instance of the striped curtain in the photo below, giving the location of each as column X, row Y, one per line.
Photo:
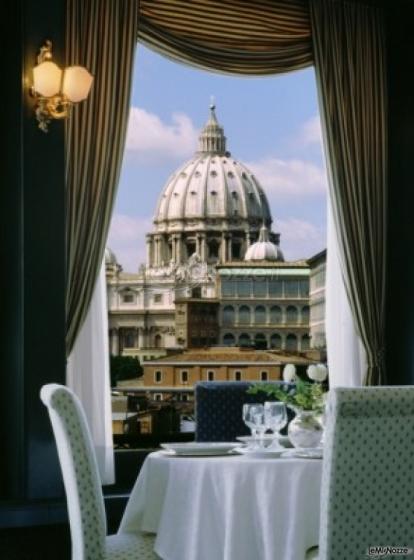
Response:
column 101, row 35
column 350, row 59
column 233, row 37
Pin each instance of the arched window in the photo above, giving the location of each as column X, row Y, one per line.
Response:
column 260, row 341
column 213, row 249
column 158, row 376
column 291, row 343
column 184, row 377
column 292, row 314
column 129, row 339
column 264, row 376
column 229, row 340
column 158, row 341
column 305, row 343
column 244, row 339
column 244, row 314
column 228, row 315
column 128, row 296
column 210, row 376
column 260, row 315
column 237, row 375
column 305, row 314
column 275, row 315
column 276, row 341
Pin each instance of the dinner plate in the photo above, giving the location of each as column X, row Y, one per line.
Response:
column 199, row 448
column 305, row 453
column 259, row 453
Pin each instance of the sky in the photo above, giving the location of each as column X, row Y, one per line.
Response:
column 271, row 124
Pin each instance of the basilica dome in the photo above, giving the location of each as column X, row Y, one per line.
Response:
column 212, row 186
column 263, row 249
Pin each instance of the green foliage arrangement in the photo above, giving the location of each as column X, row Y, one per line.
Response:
column 124, row 367
column 302, row 396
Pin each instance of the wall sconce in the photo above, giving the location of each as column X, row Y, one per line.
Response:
column 55, row 90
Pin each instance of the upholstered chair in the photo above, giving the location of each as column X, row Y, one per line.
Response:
column 82, row 485
column 368, row 475
column 218, row 408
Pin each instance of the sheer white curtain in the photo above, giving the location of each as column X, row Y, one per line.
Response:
column 88, row 376
column 346, row 355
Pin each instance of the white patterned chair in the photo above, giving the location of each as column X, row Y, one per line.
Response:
column 368, row 473
column 83, row 487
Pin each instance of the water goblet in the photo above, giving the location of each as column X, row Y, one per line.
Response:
column 253, row 417
column 275, row 418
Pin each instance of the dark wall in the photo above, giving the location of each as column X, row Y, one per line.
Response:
column 32, row 321
column 400, row 292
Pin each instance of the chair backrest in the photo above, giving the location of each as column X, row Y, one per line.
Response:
column 218, row 409
column 80, row 472
column 368, row 472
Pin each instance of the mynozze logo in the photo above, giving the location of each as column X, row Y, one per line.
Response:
column 383, row 551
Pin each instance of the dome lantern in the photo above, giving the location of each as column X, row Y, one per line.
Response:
column 212, row 139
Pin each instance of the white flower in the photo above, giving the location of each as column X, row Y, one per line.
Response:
column 317, row 372
column 289, row 373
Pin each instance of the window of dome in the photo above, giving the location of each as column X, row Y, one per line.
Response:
column 193, row 192
column 197, row 174
column 213, row 173
column 234, row 194
column 176, row 194
column 213, row 161
column 230, row 174
column 213, row 193
column 224, row 161
column 183, row 174
column 251, row 194
column 244, row 175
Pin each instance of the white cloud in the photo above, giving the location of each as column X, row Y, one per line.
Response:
column 290, row 177
column 311, row 132
column 151, row 140
column 300, row 238
column 127, row 240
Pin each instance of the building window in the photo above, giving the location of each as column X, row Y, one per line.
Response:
column 184, row 377
column 292, row 315
column 184, row 398
column 305, row 344
column 260, row 315
column 305, row 314
column 213, row 249
column 128, row 297
column 275, row 315
column 260, row 287
column 229, row 340
column 129, row 339
column 158, row 376
column 228, row 315
column 275, row 288
column 291, row 343
column 244, row 288
column 260, row 341
column 228, row 288
column 236, row 250
column 291, row 288
column 264, row 376
column 276, row 341
column 210, row 376
column 304, row 288
column 244, row 314
column 157, row 298
column 196, row 292
column 157, row 396
column 237, row 376
column 244, row 340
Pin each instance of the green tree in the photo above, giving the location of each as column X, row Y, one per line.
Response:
column 124, row 367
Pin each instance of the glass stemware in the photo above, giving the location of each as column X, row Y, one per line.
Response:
column 253, row 417
column 275, row 418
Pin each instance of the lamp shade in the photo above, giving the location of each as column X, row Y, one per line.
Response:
column 47, row 78
column 76, row 83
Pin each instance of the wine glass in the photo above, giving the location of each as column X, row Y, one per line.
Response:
column 275, row 418
column 253, row 417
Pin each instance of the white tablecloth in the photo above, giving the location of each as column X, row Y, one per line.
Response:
column 227, row 508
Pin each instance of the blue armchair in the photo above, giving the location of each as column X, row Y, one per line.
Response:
column 218, row 409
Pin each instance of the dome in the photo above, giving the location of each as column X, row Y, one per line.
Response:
column 263, row 249
column 110, row 257
column 212, row 188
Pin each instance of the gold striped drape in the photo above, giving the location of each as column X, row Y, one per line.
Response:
column 233, row 37
column 350, row 59
column 102, row 37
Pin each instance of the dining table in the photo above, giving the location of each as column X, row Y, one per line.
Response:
column 231, row 507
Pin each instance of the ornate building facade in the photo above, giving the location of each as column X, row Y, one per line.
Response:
column 215, row 274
